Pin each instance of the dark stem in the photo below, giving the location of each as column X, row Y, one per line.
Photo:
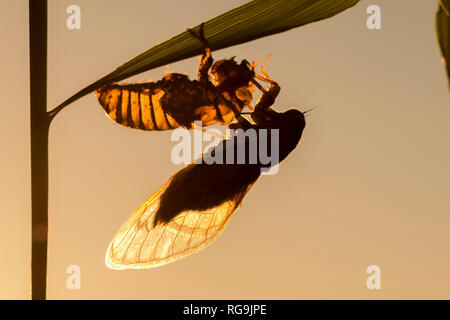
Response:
column 39, row 146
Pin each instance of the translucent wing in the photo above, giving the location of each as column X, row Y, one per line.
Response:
column 139, row 244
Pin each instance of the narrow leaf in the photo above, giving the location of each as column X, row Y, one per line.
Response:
column 253, row 20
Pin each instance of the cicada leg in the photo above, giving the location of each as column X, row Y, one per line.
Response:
column 266, row 77
column 274, row 87
column 263, row 70
column 201, row 36
column 206, row 61
column 269, row 95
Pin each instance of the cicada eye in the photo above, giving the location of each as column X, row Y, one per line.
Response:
column 214, row 78
column 251, row 87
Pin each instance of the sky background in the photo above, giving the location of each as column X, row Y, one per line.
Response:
column 369, row 183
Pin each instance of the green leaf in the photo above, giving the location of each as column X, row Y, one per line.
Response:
column 253, row 20
column 443, row 32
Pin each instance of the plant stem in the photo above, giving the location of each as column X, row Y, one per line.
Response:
column 39, row 146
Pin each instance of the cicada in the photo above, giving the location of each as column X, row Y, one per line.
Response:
column 193, row 208
column 176, row 100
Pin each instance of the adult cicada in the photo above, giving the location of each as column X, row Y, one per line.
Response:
column 193, row 208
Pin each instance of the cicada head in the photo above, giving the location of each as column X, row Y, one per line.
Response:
column 229, row 75
column 291, row 129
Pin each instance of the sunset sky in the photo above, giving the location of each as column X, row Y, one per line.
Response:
column 369, row 183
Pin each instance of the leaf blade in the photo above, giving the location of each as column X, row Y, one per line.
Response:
column 251, row 21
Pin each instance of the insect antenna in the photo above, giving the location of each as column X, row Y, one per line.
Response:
column 307, row 112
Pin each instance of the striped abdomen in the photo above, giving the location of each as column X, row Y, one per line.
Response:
column 138, row 108
column 170, row 103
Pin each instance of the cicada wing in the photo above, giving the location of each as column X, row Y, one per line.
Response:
column 139, row 244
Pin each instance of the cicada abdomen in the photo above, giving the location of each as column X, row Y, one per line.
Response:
column 136, row 106
column 171, row 102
